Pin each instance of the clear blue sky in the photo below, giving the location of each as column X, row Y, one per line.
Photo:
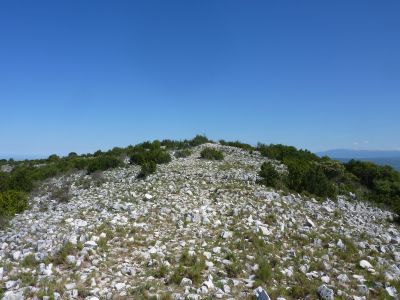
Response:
column 87, row 75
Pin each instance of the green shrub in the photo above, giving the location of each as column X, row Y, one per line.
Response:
column 271, row 177
column 199, row 140
column 72, row 154
column 61, row 256
column 20, row 180
column 183, row 153
column 211, row 154
column 147, row 168
column 237, row 144
column 158, row 156
column 281, row 152
column 12, row 202
column 102, row 163
column 264, row 271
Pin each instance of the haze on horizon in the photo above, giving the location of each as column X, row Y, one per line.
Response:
column 82, row 76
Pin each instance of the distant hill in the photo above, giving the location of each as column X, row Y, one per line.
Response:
column 22, row 156
column 380, row 157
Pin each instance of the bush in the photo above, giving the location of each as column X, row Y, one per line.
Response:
column 12, row 202
column 199, row 140
column 211, row 154
column 282, row 152
column 21, row 180
column 147, row 168
column 270, row 175
column 264, row 271
column 237, row 144
column 183, row 153
column 158, row 156
column 102, row 163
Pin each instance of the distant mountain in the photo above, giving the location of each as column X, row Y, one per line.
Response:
column 380, row 157
column 22, row 156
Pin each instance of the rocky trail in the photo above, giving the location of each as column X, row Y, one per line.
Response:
column 196, row 229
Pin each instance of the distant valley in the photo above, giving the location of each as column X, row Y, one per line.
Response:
column 380, row 157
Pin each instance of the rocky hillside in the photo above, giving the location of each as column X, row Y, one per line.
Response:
column 196, row 229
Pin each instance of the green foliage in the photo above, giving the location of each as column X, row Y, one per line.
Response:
column 199, row 140
column 147, row 168
column 183, row 153
column 237, row 144
column 157, row 156
column 72, row 154
column 264, row 271
column 282, row 152
column 102, row 163
column 12, row 202
column 383, row 182
column 148, row 155
column 29, row 261
column 270, row 176
column 211, row 154
column 20, row 180
column 53, row 158
column 61, row 256
column 190, row 267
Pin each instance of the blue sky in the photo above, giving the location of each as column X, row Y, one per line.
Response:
column 87, row 75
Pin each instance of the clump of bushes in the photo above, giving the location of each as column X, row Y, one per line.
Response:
column 237, row 144
column 102, row 163
column 147, row 168
column 190, row 267
column 211, row 154
column 323, row 177
column 157, row 156
column 183, row 153
column 148, row 155
column 382, row 182
column 270, row 176
column 11, row 203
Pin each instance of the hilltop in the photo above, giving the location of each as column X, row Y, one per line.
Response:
column 200, row 221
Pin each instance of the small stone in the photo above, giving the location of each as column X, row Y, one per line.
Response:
column 186, row 282
column 363, row 289
column 261, row 294
column 90, row 244
column 343, row 278
column 325, row 279
column 70, row 286
column 391, row 291
column 226, row 234
column 264, row 230
column 365, row 264
column 71, row 259
column 80, row 223
column 120, row 286
column 147, row 197
column 309, row 222
column 325, row 293
column 16, row 255
column 11, row 284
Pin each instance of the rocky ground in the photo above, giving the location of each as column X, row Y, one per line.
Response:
column 196, row 229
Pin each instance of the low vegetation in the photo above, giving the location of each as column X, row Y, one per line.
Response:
column 211, row 154
column 183, row 153
column 324, row 177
